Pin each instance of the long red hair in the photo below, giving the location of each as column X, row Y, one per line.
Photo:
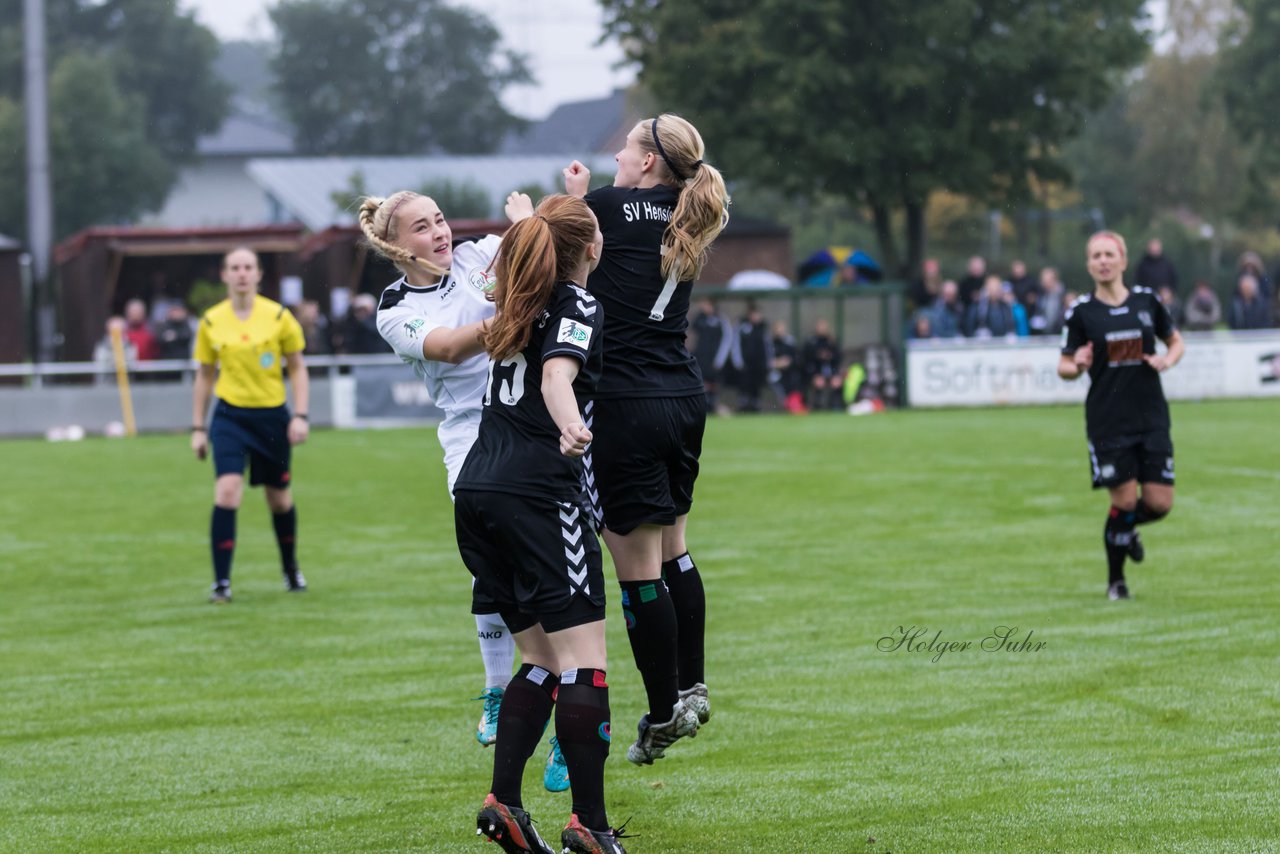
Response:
column 535, row 253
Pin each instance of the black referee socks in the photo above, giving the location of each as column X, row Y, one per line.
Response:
column 522, row 718
column 652, row 630
column 582, row 727
column 1116, row 536
column 690, row 601
column 286, row 525
column 222, row 541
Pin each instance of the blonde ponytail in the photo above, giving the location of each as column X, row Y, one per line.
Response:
column 702, row 210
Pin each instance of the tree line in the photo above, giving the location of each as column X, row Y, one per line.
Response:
column 888, row 112
column 133, row 86
column 1018, row 106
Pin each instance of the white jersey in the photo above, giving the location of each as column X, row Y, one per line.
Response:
column 408, row 314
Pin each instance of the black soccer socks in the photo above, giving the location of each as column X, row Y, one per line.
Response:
column 652, row 630
column 690, row 601
column 1147, row 515
column 526, row 708
column 286, row 525
column 1116, row 536
column 582, row 728
column 222, row 540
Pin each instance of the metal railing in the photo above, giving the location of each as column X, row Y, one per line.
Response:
column 36, row 373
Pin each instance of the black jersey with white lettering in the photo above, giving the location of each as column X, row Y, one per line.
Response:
column 1125, row 395
column 518, row 449
column 645, row 353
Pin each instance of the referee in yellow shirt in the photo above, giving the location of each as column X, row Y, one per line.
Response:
column 242, row 342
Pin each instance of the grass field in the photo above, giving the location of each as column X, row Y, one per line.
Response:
column 136, row 717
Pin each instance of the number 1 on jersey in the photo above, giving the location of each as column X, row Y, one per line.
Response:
column 507, row 379
column 668, row 291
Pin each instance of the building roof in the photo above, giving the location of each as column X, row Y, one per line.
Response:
column 251, row 129
column 576, row 128
column 129, row 240
column 304, row 187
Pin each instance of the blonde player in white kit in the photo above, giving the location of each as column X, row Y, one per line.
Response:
column 433, row 317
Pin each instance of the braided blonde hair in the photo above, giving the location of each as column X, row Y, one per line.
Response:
column 702, row 211
column 378, row 222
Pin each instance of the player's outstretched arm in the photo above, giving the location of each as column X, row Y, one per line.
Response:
column 455, row 346
column 557, row 390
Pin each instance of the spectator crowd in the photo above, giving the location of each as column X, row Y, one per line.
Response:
column 166, row 330
column 1016, row 304
column 751, row 355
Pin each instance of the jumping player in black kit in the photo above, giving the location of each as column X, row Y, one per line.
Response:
column 522, row 531
column 1112, row 335
column 663, row 211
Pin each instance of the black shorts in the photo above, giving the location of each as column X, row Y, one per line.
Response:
column 1144, row 457
column 261, row 435
column 644, row 456
column 535, row 560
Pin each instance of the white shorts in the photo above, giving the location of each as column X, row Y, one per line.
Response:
column 457, row 434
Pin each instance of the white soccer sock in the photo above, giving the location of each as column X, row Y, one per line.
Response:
column 496, row 648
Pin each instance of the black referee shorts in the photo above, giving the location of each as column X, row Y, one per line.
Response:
column 534, row 560
column 260, row 435
column 644, row 455
column 1144, row 457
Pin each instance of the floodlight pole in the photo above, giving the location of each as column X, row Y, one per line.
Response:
column 39, row 184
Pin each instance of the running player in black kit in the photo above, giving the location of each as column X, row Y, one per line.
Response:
column 663, row 211
column 520, row 526
column 1112, row 335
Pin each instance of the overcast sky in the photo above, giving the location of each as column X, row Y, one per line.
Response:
column 558, row 36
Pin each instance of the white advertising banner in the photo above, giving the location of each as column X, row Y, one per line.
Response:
column 995, row 373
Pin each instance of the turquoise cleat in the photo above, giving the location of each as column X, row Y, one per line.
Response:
column 556, row 776
column 487, row 729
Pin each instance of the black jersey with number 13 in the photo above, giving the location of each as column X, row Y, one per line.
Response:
column 645, row 354
column 518, row 449
column 1125, row 395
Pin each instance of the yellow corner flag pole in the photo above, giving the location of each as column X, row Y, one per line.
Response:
column 122, row 381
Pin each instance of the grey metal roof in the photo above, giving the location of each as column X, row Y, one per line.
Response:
column 304, row 186
column 576, row 128
column 250, row 130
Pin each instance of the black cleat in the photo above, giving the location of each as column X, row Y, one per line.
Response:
column 1118, row 591
column 510, row 827
column 578, row 839
column 220, row 594
column 1136, row 551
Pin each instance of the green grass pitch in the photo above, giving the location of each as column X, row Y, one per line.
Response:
column 137, row 717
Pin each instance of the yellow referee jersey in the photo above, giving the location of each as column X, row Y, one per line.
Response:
column 249, row 352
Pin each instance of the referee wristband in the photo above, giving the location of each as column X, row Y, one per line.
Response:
column 199, row 429
column 301, row 415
